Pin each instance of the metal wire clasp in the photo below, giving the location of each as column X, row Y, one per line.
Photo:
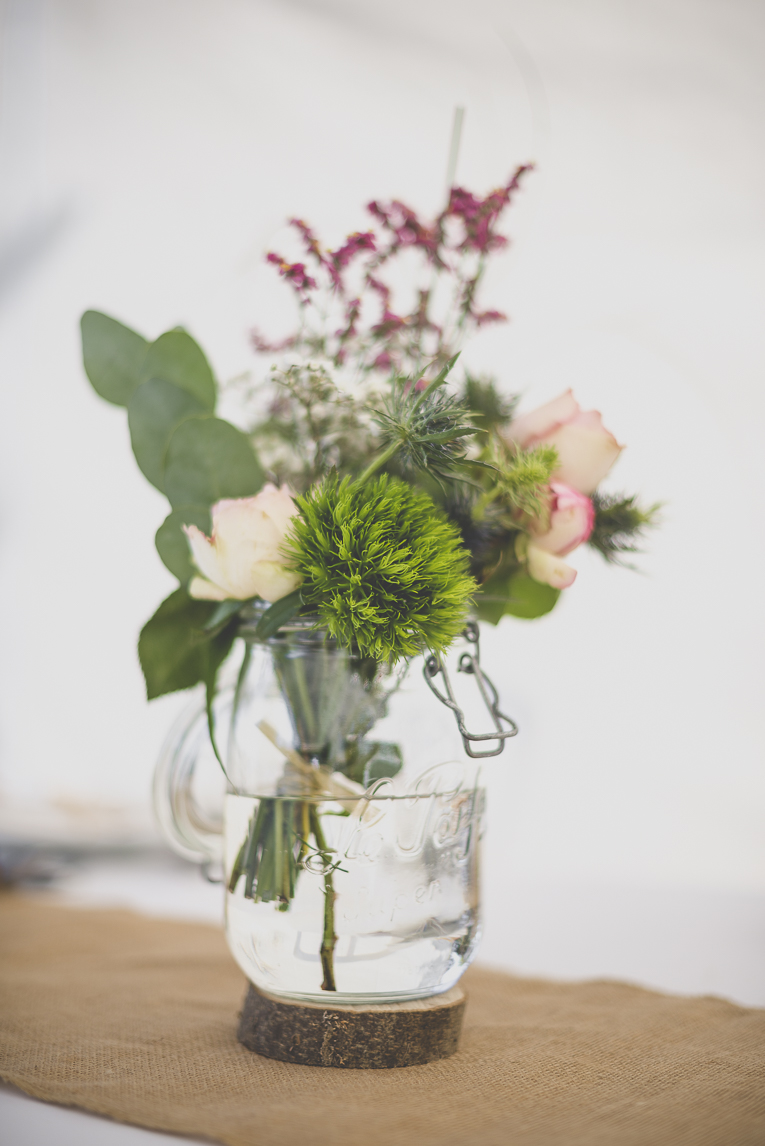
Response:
column 471, row 663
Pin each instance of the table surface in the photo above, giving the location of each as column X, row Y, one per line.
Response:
column 678, row 940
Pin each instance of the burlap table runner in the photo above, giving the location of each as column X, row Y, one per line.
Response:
column 135, row 1018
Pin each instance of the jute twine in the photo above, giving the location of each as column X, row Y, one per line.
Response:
column 135, row 1018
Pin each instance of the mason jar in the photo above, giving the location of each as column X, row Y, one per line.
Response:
column 351, row 830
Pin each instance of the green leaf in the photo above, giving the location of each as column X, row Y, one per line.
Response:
column 113, row 356
column 174, row 652
column 177, row 358
column 208, row 459
column 518, row 596
column 529, row 598
column 222, row 614
column 278, row 614
column 490, row 408
column 370, row 760
column 448, row 435
column 155, row 409
column 490, row 608
column 171, row 542
column 439, row 380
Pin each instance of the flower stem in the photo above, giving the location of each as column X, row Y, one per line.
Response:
column 379, row 461
column 329, row 938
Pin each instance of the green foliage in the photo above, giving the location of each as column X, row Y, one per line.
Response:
column 164, row 385
column 619, row 524
column 515, row 594
column 170, row 392
column 486, row 532
column 156, row 408
column 171, row 543
column 174, row 651
column 520, row 484
column 382, row 567
column 196, row 459
column 310, row 427
column 272, row 855
column 489, row 409
column 209, row 459
column 423, row 430
column 117, row 361
column 370, row 760
column 222, row 614
column 113, row 356
column 177, row 358
column 278, row 614
column 528, row 598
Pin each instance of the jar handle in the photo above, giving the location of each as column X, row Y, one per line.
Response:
column 191, row 830
column 470, row 663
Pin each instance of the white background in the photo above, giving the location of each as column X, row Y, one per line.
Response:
column 150, row 152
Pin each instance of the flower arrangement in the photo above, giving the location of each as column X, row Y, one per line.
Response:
column 367, row 487
column 373, row 487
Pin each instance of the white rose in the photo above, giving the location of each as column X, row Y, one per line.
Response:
column 586, row 449
column 243, row 557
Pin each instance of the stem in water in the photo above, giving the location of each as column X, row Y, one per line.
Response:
column 328, row 939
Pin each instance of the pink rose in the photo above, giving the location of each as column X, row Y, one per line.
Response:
column 572, row 517
column 243, row 557
column 586, row 449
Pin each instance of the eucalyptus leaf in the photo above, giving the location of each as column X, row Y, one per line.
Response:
column 177, row 358
column 171, row 542
column 209, row 459
column 155, row 409
column 113, row 356
column 174, row 652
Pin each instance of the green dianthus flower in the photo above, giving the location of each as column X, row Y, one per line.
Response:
column 382, row 566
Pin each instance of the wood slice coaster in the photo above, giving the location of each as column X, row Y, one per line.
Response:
column 363, row 1037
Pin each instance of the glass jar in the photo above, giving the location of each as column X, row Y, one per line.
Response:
column 352, row 822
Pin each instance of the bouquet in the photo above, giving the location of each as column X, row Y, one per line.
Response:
column 374, row 485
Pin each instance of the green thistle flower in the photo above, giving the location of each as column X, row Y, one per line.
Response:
column 382, row 566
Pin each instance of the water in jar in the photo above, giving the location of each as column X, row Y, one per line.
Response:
column 385, row 903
